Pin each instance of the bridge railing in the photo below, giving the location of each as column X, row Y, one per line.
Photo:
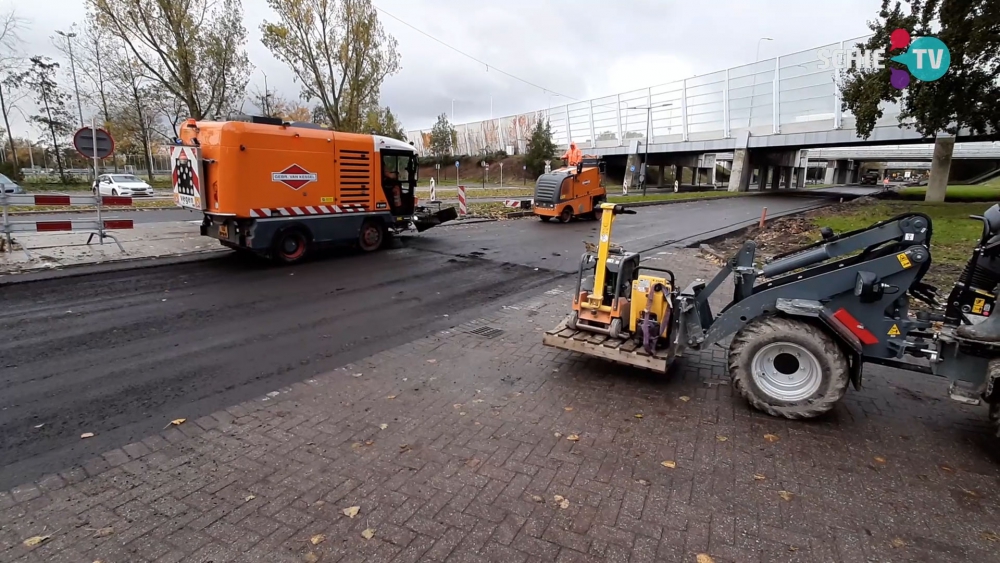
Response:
column 790, row 93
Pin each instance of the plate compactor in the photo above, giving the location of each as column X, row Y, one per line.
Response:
column 804, row 324
column 622, row 311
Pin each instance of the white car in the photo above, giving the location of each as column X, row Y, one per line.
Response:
column 121, row 184
column 9, row 186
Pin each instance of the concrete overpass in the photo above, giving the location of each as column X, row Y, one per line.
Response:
column 765, row 112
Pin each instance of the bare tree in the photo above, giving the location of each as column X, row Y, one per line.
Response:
column 338, row 51
column 11, row 79
column 194, row 49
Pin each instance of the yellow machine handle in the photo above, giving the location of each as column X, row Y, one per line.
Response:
column 604, row 246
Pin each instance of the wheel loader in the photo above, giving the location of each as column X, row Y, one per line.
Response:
column 803, row 325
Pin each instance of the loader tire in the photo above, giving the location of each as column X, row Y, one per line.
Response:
column 566, row 215
column 788, row 368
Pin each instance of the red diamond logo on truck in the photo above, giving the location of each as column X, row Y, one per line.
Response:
column 294, row 176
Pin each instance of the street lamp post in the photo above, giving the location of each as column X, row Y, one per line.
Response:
column 72, row 65
column 753, row 92
column 645, row 147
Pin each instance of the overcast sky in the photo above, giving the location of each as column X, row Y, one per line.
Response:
column 580, row 49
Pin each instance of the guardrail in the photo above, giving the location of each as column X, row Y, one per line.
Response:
column 791, row 93
column 97, row 226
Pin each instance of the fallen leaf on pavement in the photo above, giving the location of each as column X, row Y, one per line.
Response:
column 568, row 409
column 573, row 438
column 368, row 533
column 457, row 406
column 721, row 438
column 104, row 532
column 352, row 511
column 369, row 442
column 685, row 398
column 37, row 426
column 879, row 459
column 310, row 557
column 477, row 400
column 178, row 421
column 991, row 537
column 792, row 548
column 250, row 498
column 785, row 495
column 897, row 543
column 432, row 361
column 669, row 464
column 461, row 413
column 391, row 397
column 562, row 501
column 86, row 435
column 758, row 477
column 771, row 438
column 537, row 498
column 383, row 426
column 35, row 540
column 638, row 415
column 972, row 494
column 557, row 435
column 946, row 468
column 355, row 375
column 704, row 558
column 317, row 539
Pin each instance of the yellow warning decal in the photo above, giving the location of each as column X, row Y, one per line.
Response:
column 904, row 260
column 977, row 306
column 326, row 200
column 981, row 292
column 894, row 331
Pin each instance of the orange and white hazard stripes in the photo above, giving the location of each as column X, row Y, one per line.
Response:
column 463, row 208
column 307, row 210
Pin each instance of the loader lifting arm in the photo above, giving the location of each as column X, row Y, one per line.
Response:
column 895, row 251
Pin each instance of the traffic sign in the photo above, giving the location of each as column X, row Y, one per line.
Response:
column 437, row 166
column 456, row 164
column 83, row 141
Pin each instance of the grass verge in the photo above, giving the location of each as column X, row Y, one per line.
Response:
column 676, row 197
column 955, row 194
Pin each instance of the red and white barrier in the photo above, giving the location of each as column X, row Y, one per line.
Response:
column 56, row 226
column 434, row 194
column 96, row 225
column 518, row 203
column 463, row 208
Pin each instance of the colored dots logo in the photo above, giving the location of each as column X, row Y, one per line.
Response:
column 926, row 58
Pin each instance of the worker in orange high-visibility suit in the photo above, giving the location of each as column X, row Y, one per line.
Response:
column 573, row 156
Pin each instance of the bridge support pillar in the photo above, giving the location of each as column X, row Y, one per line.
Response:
column 739, row 177
column 800, row 177
column 786, row 176
column 831, row 172
column 711, row 175
column 762, row 177
column 937, row 184
column 776, row 177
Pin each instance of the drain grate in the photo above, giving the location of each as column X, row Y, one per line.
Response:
column 486, row 331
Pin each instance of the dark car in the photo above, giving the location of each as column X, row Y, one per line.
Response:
column 870, row 178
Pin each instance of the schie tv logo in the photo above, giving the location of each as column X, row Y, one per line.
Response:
column 927, row 58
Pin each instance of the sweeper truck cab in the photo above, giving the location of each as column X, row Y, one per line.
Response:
column 280, row 189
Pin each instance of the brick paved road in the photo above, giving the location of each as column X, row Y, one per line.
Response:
column 475, row 450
